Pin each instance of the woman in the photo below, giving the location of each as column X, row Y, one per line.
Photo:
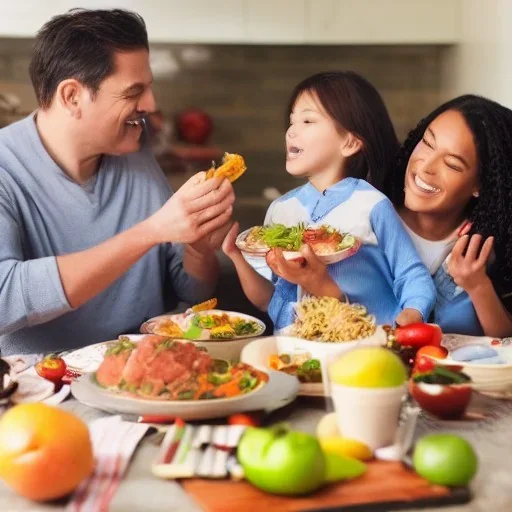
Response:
column 457, row 206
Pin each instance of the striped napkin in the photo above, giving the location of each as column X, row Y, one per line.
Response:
column 114, row 442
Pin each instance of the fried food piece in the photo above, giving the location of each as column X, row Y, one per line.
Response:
column 205, row 306
column 168, row 328
column 233, row 166
column 223, row 332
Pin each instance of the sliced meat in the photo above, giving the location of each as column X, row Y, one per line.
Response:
column 111, row 369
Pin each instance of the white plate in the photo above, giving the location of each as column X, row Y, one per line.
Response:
column 334, row 257
column 220, row 349
column 492, row 379
column 280, row 390
column 257, row 354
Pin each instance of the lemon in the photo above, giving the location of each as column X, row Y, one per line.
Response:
column 328, row 426
column 368, row 367
column 346, row 447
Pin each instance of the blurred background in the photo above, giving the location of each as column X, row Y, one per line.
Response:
column 224, row 69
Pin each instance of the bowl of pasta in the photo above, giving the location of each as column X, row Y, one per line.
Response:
column 325, row 326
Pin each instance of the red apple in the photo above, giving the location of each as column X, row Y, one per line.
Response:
column 194, row 126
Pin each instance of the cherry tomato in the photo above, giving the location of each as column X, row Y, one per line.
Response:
column 432, row 351
column 52, row 368
column 244, row 419
column 424, row 364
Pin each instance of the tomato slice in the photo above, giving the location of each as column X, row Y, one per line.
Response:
column 432, row 351
column 250, row 420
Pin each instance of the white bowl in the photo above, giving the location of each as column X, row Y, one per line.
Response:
column 257, row 354
column 320, row 349
column 492, row 379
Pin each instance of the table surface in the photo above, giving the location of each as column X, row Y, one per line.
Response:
column 142, row 492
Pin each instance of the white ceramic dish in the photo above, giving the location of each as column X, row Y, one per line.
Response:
column 288, row 344
column 492, row 379
column 257, row 354
column 221, row 349
column 280, row 390
column 334, row 257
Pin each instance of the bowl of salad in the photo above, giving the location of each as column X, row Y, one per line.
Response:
column 328, row 243
column 222, row 333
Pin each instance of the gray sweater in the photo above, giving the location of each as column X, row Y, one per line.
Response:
column 43, row 214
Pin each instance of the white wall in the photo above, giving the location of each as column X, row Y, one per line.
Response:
column 482, row 62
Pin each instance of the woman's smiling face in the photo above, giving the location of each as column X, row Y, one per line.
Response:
column 442, row 173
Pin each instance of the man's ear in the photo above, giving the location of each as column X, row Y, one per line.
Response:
column 69, row 95
column 351, row 145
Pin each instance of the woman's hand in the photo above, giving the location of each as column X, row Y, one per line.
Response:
column 469, row 270
column 309, row 272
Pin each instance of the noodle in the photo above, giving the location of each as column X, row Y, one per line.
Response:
column 328, row 319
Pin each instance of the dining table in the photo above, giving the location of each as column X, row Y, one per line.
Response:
column 487, row 426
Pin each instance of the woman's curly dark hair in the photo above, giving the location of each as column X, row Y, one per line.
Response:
column 491, row 213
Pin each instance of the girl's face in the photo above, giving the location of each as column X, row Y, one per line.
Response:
column 442, row 173
column 314, row 143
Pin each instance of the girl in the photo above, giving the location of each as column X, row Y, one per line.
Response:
column 458, row 193
column 339, row 135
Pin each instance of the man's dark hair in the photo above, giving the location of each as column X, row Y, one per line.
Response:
column 490, row 214
column 81, row 44
column 355, row 105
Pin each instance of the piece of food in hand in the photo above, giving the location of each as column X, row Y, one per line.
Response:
column 417, row 335
column 445, row 459
column 52, row 368
column 232, row 167
column 45, row 451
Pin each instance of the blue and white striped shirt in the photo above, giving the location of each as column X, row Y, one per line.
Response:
column 386, row 275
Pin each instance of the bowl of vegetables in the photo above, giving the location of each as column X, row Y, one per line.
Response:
column 328, row 243
column 443, row 391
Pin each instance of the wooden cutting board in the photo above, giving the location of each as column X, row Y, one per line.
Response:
column 385, row 486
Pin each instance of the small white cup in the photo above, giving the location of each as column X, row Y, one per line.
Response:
column 369, row 415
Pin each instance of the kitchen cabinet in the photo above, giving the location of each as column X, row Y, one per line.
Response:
column 264, row 21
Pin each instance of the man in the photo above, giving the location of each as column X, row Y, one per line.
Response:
column 92, row 242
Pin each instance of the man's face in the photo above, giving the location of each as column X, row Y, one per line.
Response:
column 111, row 119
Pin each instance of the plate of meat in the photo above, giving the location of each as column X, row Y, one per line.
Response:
column 328, row 243
column 162, row 376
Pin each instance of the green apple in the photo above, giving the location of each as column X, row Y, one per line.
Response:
column 342, row 468
column 281, row 461
column 368, row 367
column 445, row 459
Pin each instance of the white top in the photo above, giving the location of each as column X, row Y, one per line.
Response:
column 432, row 252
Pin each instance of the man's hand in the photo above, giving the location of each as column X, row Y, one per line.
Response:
column 469, row 271
column 199, row 208
column 408, row 316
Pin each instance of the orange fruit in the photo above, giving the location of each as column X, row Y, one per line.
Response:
column 45, row 452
